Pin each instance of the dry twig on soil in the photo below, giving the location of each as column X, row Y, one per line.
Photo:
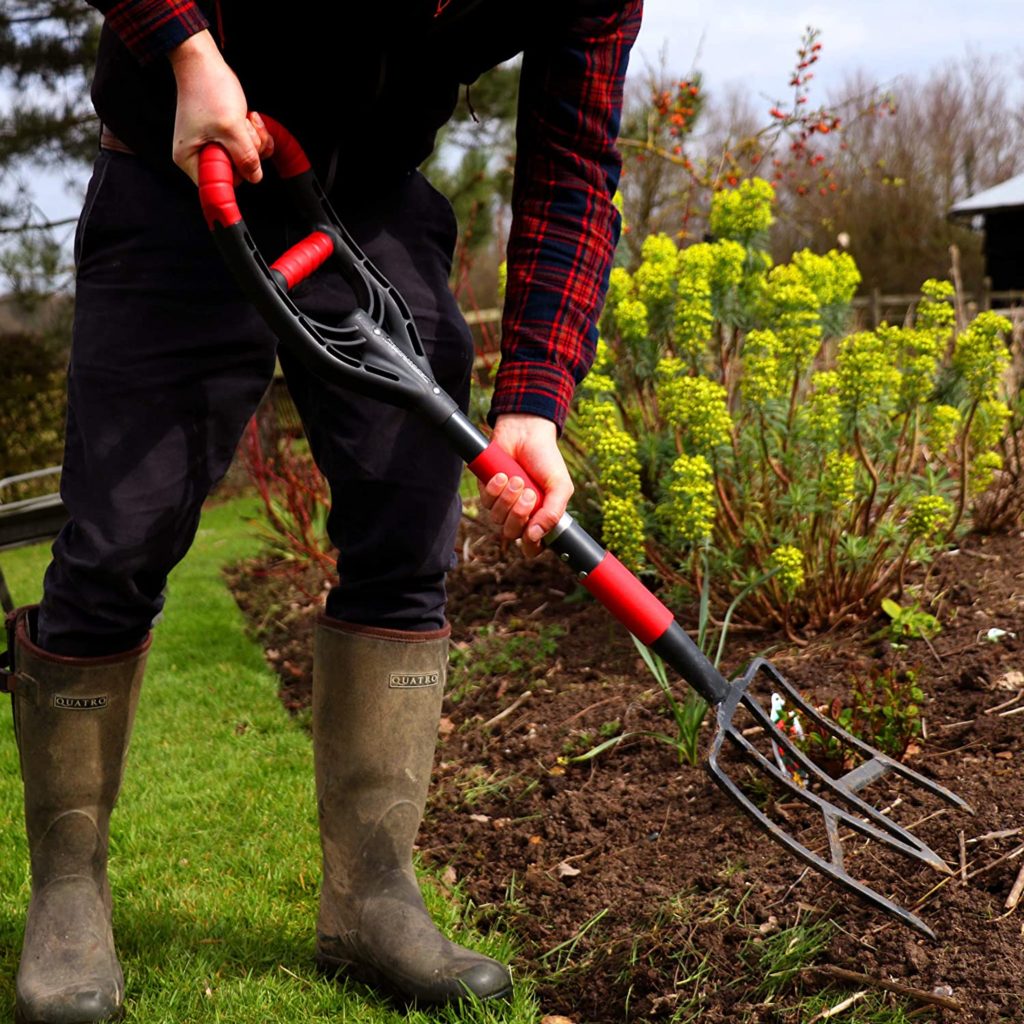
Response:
column 856, row 978
column 514, row 706
column 1016, row 892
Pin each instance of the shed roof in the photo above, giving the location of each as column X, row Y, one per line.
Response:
column 1008, row 193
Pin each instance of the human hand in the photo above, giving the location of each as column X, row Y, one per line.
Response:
column 212, row 108
column 532, row 442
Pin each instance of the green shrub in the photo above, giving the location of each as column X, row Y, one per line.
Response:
column 731, row 409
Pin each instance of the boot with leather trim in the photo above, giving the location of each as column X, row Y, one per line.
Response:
column 73, row 718
column 376, row 705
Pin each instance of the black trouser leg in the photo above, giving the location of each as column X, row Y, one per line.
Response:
column 169, row 362
column 167, row 365
column 394, row 481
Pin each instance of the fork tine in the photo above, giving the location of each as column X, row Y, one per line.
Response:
column 893, row 835
column 830, row 869
column 864, row 818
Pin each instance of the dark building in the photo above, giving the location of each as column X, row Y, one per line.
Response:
column 1000, row 211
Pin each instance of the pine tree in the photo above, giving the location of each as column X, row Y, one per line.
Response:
column 472, row 163
column 47, row 50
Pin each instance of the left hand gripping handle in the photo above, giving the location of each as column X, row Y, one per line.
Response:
column 620, row 591
column 217, row 178
column 599, row 570
column 217, row 175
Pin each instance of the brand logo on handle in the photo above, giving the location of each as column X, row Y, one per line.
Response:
column 66, row 703
column 413, row 680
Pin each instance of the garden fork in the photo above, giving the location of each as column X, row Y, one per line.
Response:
column 376, row 351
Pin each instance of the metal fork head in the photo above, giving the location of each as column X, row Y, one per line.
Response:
column 836, row 799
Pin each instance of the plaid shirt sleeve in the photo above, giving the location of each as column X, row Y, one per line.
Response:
column 150, row 28
column 564, row 226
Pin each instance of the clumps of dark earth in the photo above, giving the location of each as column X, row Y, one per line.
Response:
column 634, row 887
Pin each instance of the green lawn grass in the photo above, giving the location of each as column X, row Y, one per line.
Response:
column 214, row 849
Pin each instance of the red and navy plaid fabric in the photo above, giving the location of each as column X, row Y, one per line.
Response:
column 149, row 28
column 564, row 226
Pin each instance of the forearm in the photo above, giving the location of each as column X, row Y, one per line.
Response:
column 152, row 28
column 211, row 103
column 565, row 226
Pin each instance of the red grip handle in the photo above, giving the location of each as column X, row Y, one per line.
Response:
column 495, row 460
column 303, row 258
column 289, row 157
column 217, row 173
column 628, row 599
column 217, row 187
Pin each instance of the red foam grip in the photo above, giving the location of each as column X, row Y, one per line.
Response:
column 217, row 187
column 494, row 460
column 628, row 600
column 289, row 157
column 304, row 258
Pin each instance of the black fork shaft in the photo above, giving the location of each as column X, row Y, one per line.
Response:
column 599, row 571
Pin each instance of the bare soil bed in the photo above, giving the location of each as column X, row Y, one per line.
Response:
column 638, row 891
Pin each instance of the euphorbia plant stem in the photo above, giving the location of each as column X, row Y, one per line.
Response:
column 897, row 451
column 961, row 500
column 872, row 472
column 791, row 412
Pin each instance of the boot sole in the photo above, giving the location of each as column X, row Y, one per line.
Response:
column 373, row 978
column 20, row 1018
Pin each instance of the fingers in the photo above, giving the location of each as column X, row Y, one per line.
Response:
column 513, row 508
column 510, row 503
column 247, row 143
column 546, row 518
column 243, row 146
column 527, row 506
column 264, row 140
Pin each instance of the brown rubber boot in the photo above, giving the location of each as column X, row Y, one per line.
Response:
column 72, row 718
column 376, row 705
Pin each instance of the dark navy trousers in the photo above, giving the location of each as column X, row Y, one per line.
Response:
column 169, row 362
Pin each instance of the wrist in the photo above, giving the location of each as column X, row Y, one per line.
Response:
column 196, row 51
column 527, row 420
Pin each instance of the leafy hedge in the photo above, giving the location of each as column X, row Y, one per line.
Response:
column 32, row 402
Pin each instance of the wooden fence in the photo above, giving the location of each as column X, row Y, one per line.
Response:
column 870, row 310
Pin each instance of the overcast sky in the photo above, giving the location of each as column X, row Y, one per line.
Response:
column 752, row 46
